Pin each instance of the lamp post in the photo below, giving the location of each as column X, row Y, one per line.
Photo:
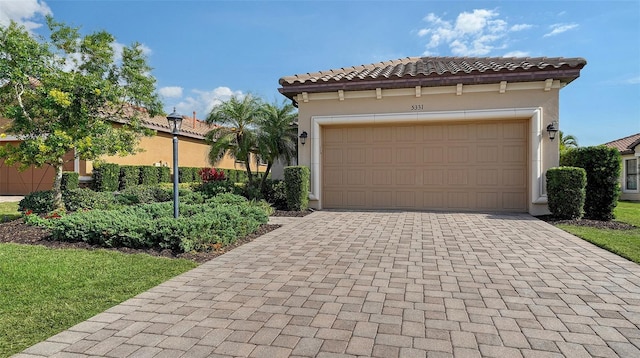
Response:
column 175, row 122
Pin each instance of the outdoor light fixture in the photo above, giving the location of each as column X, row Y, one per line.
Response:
column 552, row 129
column 175, row 122
column 303, row 137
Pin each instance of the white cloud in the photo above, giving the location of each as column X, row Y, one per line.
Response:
column 560, row 28
column 516, row 54
column 520, row 27
column 171, row 92
column 633, row 80
column 475, row 33
column 203, row 101
column 23, row 12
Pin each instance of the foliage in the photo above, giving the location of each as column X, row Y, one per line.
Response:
column 567, row 142
column 235, row 134
column 164, row 175
column 129, row 176
column 296, row 180
column 144, row 194
column 39, row 202
column 220, row 221
column 149, row 175
column 277, row 135
column 602, row 165
column 70, row 180
column 58, row 93
column 188, row 174
column 106, row 177
column 214, row 188
column 566, row 192
column 211, row 174
column 45, row 291
column 275, row 192
column 85, row 199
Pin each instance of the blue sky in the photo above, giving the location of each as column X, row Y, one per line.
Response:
column 202, row 52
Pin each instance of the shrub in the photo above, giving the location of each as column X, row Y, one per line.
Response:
column 188, row 174
column 80, row 199
column 70, row 180
column 275, row 192
column 297, row 187
column 39, row 202
column 214, row 188
column 164, row 175
column 106, row 177
column 148, row 175
column 129, row 176
column 144, row 194
column 211, row 174
column 566, row 192
column 602, row 166
column 228, row 199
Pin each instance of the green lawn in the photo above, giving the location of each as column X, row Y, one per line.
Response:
column 625, row 243
column 44, row 291
column 9, row 211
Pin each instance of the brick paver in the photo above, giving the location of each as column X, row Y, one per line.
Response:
column 382, row 284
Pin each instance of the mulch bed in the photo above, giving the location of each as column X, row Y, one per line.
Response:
column 615, row 225
column 16, row 231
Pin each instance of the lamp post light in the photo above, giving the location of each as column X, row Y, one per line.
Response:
column 175, row 122
column 303, row 137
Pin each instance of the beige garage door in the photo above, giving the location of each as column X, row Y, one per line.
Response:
column 460, row 166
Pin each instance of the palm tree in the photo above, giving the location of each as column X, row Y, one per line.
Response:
column 236, row 134
column 277, row 135
column 567, row 142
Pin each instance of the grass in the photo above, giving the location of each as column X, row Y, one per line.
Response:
column 9, row 211
column 45, row 291
column 625, row 243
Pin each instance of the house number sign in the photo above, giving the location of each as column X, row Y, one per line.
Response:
column 417, row 107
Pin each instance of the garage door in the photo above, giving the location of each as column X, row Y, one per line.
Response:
column 461, row 166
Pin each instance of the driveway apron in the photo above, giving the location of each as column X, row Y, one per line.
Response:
column 382, row 284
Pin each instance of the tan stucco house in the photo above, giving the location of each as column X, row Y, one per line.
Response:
column 629, row 148
column 156, row 150
column 431, row 133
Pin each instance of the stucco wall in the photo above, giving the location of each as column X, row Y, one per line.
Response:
column 481, row 97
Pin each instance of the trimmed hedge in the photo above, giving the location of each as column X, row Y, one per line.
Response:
column 602, row 165
column 129, row 176
column 296, row 180
column 188, row 174
column 164, row 175
column 70, row 181
column 566, row 192
column 84, row 199
column 149, row 175
column 106, row 177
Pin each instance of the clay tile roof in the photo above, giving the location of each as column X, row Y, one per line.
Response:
column 191, row 127
column 434, row 71
column 625, row 145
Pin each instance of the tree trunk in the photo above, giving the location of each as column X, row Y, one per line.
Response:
column 57, row 187
column 263, row 182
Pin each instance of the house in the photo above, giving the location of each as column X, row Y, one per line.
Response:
column 156, row 150
column 629, row 148
column 431, row 133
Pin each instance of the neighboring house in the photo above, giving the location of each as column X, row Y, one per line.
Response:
column 431, row 133
column 629, row 147
column 156, row 150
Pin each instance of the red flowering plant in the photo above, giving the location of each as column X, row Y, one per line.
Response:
column 211, row 174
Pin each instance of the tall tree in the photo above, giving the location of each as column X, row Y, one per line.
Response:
column 236, row 132
column 277, row 135
column 62, row 94
column 567, row 142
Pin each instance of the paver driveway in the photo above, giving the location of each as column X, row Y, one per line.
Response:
column 382, row 284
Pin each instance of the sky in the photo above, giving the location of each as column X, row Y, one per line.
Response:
column 203, row 52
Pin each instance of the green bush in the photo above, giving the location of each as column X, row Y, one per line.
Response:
column 602, row 165
column 275, row 192
column 214, row 188
column 152, row 225
column 296, row 180
column 70, row 180
column 81, row 199
column 106, row 177
column 144, row 194
column 164, row 175
column 566, row 192
column 39, row 202
column 149, row 175
column 129, row 176
column 188, row 174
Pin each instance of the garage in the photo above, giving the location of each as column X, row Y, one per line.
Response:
column 447, row 166
column 432, row 133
